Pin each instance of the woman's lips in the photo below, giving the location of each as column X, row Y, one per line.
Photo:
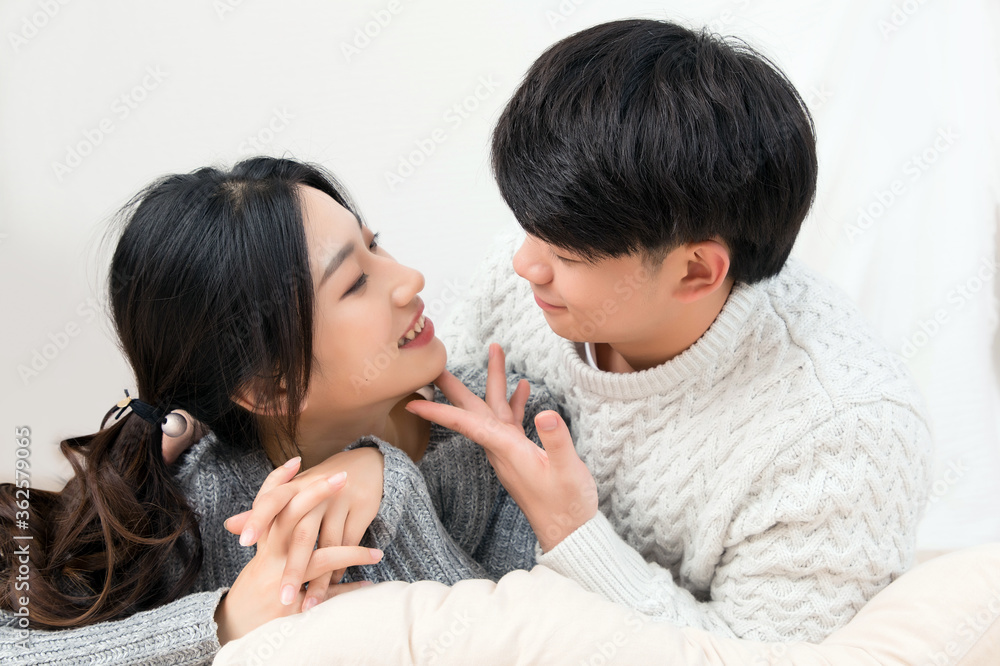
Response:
column 423, row 337
column 547, row 306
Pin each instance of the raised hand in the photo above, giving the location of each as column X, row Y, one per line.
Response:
column 553, row 487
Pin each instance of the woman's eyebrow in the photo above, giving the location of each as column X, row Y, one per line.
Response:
column 336, row 261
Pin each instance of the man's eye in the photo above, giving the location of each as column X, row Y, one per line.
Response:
column 357, row 285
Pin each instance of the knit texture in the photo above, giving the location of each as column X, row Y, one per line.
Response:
column 445, row 519
column 765, row 483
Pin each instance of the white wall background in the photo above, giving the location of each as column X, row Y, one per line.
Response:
column 97, row 98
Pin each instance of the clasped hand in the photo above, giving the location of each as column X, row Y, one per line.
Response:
column 334, row 501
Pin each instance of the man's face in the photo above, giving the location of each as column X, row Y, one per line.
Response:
column 614, row 300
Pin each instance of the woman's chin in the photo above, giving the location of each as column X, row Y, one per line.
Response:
column 434, row 363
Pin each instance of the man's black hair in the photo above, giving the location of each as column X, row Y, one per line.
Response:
column 639, row 136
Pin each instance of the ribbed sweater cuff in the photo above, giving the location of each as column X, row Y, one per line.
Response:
column 181, row 633
column 597, row 558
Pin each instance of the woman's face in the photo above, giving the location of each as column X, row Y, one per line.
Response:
column 366, row 304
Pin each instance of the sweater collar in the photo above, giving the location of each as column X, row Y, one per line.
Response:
column 720, row 338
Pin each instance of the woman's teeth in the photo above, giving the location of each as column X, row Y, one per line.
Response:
column 413, row 332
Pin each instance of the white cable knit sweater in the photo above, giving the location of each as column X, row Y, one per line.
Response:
column 765, row 483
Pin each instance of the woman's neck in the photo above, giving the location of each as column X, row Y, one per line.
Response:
column 317, row 442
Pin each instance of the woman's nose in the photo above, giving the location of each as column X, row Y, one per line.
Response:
column 410, row 282
column 529, row 264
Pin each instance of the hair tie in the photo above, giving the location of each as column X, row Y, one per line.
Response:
column 172, row 423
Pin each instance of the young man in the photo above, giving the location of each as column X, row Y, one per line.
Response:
column 761, row 460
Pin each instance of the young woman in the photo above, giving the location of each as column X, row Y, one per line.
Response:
column 257, row 302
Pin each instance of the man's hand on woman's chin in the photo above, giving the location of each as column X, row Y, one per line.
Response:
column 552, row 485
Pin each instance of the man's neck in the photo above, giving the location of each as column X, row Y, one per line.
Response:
column 669, row 342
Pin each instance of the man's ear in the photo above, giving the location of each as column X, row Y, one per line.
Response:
column 254, row 399
column 707, row 268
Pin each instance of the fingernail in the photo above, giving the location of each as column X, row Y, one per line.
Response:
column 365, row 583
column 547, row 421
column 376, row 554
column 309, row 603
column 247, row 537
column 225, row 523
column 287, row 594
column 492, row 351
column 337, row 478
column 293, row 462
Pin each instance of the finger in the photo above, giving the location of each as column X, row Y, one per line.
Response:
column 280, row 475
column 284, row 507
column 300, row 548
column 355, row 526
column 458, row 393
column 518, row 400
column 555, row 437
column 332, row 534
column 266, row 506
column 487, row 431
column 303, row 503
column 496, row 385
column 340, row 557
column 236, row 523
column 343, row 588
column 319, row 589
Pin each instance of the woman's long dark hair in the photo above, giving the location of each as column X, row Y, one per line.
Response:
column 211, row 295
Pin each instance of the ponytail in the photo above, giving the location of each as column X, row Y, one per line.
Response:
column 101, row 548
column 210, row 291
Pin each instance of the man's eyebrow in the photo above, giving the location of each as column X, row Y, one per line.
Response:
column 336, row 261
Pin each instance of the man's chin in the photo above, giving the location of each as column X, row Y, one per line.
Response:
column 570, row 332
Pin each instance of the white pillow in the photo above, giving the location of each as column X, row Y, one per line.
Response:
column 942, row 612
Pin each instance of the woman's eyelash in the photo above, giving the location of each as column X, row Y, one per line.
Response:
column 357, row 285
column 364, row 276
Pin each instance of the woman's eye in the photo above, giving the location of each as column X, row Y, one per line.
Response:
column 357, row 285
column 374, row 243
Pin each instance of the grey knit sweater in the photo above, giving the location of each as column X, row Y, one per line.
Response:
column 444, row 519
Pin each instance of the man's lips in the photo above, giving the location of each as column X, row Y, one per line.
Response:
column 546, row 305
